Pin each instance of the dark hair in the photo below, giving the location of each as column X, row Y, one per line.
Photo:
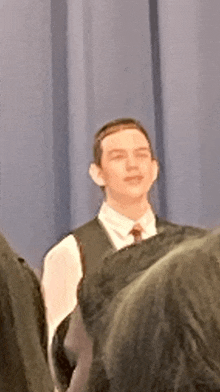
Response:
column 116, row 126
column 165, row 331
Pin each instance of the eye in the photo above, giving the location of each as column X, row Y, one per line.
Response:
column 143, row 155
column 118, row 156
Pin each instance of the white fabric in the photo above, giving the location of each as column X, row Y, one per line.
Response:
column 119, row 226
column 62, row 266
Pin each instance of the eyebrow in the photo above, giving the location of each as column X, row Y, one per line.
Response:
column 116, row 151
column 142, row 149
column 121, row 150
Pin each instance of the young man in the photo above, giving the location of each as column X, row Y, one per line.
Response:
column 125, row 166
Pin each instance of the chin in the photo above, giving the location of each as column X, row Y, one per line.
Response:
column 136, row 194
column 137, row 191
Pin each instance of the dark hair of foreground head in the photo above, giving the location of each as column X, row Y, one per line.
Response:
column 164, row 333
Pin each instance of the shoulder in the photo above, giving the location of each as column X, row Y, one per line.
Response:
column 15, row 271
column 65, row 246
column 5, row 247
column 9, row 258
column 68, row 244
column 61, row 262
column 87, row 227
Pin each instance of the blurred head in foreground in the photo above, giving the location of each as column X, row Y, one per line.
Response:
column 165, row 331
column 23, row 331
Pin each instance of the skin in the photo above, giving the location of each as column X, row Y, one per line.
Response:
column 127, row 171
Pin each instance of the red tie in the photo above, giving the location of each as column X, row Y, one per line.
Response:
column 136, row 232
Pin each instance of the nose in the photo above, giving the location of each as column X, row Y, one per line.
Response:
column 131, row 162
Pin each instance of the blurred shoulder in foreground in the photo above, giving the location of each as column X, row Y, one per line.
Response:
column 23, row 332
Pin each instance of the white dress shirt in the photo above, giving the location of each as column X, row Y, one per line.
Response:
column 62, row 265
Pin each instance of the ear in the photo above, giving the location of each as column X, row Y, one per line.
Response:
column 95, row 173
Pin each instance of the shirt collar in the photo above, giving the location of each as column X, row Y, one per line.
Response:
column 122, row 224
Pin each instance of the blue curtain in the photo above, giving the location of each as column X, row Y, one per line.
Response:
column 70, row 66
column 190, row 63
column 26, row 135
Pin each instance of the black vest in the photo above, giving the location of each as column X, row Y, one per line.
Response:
column 96, row 244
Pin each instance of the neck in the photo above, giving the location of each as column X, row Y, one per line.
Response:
column 133, row 209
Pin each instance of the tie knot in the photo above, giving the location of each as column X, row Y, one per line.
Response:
column 136, row 232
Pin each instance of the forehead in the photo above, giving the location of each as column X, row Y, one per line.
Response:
column 127, row 139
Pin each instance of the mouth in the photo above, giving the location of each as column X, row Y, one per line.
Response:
column 134, row 179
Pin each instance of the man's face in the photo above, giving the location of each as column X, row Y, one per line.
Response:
column 127, row 168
